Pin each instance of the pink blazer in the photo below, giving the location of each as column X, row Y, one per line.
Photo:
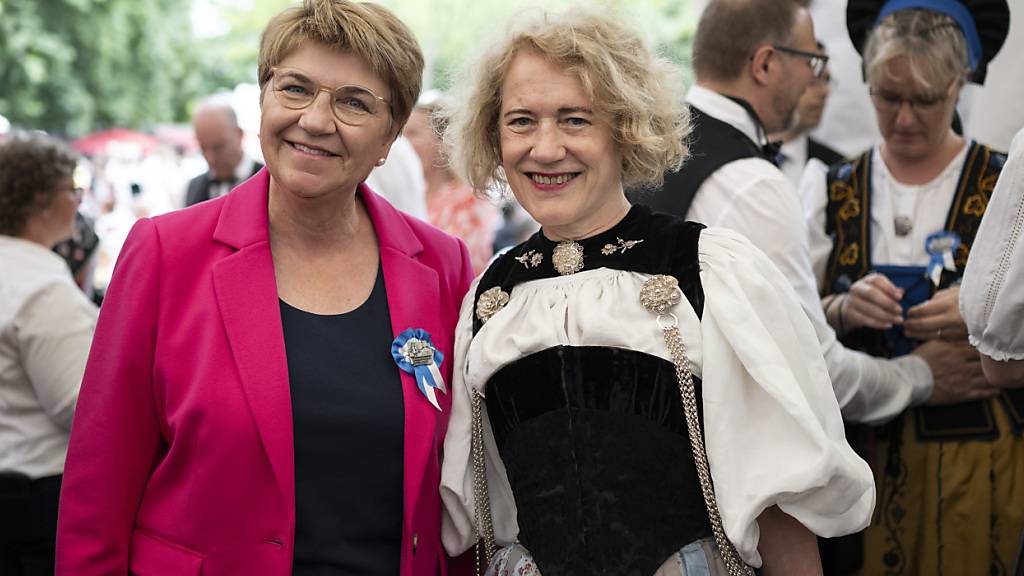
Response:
column 181, row 459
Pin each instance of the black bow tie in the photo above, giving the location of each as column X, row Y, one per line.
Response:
column 772, row 152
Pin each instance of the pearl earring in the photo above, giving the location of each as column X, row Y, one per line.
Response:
column 381, row 161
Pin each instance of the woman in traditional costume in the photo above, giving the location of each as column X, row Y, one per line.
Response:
column 596, row 361
column 891, row 231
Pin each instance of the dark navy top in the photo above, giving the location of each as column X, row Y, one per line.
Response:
column 348, row 415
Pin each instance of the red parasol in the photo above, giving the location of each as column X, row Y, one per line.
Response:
column 101, row 142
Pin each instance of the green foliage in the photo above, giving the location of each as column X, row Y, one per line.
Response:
column 70, row 66
column 73, row 66
column 449, row 30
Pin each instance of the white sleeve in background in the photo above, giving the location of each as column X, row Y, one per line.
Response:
column 753, row 198
column 814, row 196
column 54, row 331
column 991, row 295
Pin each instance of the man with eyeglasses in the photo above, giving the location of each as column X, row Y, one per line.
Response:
column 220, row 140
column 798, row 146
column 753, row 60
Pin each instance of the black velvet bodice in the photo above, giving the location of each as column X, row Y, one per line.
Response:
column 594, row 438
column 595, row 447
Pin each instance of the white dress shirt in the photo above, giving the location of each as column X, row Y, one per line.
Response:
column 46, row 327
column 992, row 308
column 794, row 158
column 754, row 198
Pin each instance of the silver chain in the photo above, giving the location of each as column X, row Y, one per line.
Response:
column 733, row 563
column 481, row 494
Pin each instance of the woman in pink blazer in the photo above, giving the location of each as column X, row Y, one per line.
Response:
column 268, row 388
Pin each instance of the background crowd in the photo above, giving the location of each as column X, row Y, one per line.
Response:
column 861, row 162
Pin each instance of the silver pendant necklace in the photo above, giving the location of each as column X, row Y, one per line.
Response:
column 903, row 225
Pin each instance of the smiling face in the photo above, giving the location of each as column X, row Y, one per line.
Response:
column 309, row 152
column 911, row 134
column 558, row 153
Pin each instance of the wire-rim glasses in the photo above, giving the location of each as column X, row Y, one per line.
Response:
column 887, row 101
column 351, row 104
column 815, row 60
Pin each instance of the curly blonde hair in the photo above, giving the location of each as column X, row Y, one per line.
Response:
column 932, row 43
column 639, row 93
column 364, row 29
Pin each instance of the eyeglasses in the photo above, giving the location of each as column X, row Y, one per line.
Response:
column 816, row 61
column 352, row 105
column 886, row 101
column 76, row 193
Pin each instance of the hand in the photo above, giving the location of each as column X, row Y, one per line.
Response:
column 938, row 318
column 956, row 372
column 873, row 301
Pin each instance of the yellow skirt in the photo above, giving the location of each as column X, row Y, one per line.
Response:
column 947, row 508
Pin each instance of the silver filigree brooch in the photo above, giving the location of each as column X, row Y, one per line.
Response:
column 660, row 294
column 490, row 302
column 531, row 259
column 621, row 247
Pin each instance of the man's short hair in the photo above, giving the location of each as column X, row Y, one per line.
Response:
column 730, row 31
column 221, row 106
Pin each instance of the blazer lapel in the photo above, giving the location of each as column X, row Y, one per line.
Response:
column 413, row 302
column 246, row 293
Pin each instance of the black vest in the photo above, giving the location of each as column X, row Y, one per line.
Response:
column 713, row 144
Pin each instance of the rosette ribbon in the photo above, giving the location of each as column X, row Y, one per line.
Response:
column 415, row 353
column 940, row 247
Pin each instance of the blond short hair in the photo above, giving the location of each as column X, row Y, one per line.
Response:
column 638, row 91
column 932, row 43
column 363, row 29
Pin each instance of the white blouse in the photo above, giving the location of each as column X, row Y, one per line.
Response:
column 927, row 205
column 773, row 430
column 992, row 308
column 46, row 327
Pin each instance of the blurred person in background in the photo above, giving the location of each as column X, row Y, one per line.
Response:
column 267, row 392
column 220, row 139
column 890, row 233
column 46, row 326
column 451, row 203
column 748, row 85
column 991, row 298
column 569, row 440
column 797, row 144
column 399, row 180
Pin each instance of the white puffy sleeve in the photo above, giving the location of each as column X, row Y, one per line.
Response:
column 774, row 433
column 458, row 530
column 991, row 307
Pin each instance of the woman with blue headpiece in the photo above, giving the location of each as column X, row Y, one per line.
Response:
column 890, row 234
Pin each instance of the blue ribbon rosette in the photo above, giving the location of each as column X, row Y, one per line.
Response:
column 940, row 247
column 415, row 353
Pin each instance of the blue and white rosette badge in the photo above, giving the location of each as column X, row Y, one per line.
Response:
column 940, row 247
column 415, row 353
